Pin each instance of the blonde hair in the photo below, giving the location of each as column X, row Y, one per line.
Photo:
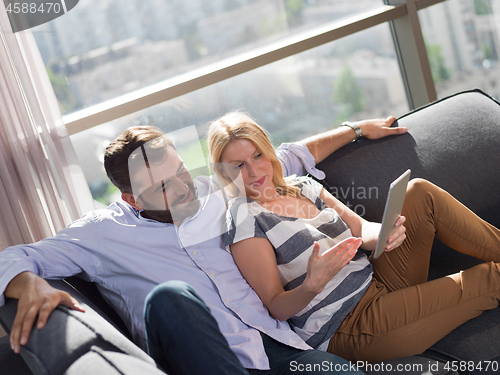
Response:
column 237, row 125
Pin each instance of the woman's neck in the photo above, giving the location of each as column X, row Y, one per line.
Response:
column 270, row 195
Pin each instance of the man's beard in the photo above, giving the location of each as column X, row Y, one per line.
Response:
column 179, row 212
column 163, row 216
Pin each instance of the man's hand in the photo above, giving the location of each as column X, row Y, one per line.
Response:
column 36, row 299
column 379, row 128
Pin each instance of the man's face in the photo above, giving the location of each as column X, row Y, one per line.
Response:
column 166, row 190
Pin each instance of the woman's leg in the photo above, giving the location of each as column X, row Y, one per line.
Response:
column 432, row 212
column 390, row 324
column 402, row 314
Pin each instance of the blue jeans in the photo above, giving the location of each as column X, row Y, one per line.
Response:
column 184, row 338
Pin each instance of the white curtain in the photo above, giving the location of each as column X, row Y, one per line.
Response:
column 42, row 187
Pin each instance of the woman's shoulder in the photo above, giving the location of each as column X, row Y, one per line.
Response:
column 235, row 203
column 241, row 207
column 241, row 220
column 301, row 181
column 308, row 186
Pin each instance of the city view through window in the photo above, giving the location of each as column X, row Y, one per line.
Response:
column 104, row 49
column 108, row 48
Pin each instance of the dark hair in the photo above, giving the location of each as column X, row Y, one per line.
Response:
column 116, row 156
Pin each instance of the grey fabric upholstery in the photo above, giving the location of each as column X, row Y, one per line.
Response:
column 98, row 361
column 11, row 363
column 477, row 342
column 70, row 335
column 453, row 143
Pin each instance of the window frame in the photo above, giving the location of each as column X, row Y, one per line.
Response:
column 407, row 35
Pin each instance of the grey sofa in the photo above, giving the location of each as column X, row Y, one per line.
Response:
column 452, row 142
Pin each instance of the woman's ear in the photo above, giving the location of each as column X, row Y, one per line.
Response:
column 132, row 200
column 219, row 169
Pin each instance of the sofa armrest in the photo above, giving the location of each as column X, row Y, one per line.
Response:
column 69, row 335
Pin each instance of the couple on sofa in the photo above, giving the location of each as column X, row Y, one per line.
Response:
column 159, row 235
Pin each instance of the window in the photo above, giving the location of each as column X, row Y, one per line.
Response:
column 104, row 49
column 297, row 66
column 354, row 78
column 463, row 45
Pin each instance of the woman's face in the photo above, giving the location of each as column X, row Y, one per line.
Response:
column 243, row 156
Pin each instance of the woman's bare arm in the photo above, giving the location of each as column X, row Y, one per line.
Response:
column 256, row 260
column 367, row 230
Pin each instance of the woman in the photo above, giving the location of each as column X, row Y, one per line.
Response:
column 297, row 247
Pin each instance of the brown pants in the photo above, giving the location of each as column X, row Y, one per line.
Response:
column 401, row 314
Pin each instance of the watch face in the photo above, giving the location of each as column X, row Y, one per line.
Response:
column 358, row 131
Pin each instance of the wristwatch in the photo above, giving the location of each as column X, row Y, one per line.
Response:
column 356, row 129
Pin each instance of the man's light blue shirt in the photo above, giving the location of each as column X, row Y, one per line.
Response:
column 127, row 255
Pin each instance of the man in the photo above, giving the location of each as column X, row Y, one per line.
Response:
column 156, row 235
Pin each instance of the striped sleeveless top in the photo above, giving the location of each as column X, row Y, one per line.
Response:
column 293, row 240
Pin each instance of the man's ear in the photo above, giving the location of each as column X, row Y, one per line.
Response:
column 132, row 200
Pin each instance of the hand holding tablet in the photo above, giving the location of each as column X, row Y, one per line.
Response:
column 392, row 211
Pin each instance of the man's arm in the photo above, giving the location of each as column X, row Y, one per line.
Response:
column 324, row 144
column 23, row 267
column 36, row 299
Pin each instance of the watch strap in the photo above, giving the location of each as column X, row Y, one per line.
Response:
column 356, row 128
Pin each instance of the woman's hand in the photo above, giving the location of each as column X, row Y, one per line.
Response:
column 322, row 268
column 398, row 236
column 256, row 259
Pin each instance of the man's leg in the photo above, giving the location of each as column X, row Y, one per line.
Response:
column 285, row 360
column 182, row 335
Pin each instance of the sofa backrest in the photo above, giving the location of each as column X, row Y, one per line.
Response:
column 453, row 142
column 94, row 298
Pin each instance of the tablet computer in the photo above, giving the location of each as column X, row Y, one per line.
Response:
column 393, row 207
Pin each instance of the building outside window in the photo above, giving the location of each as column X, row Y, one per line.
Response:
column 102, row 50
column 463, row 41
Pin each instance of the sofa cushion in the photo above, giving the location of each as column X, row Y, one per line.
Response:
column 475, row 345
column 90, row 294
column 11, row 363
column 102, row 362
